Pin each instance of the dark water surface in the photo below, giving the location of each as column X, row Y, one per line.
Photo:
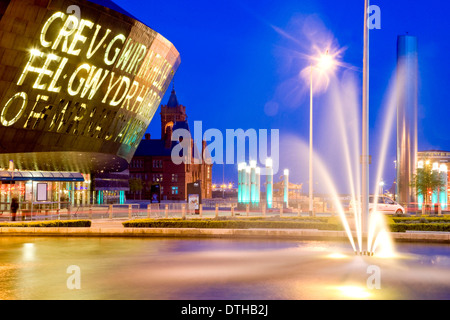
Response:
column 44, row 268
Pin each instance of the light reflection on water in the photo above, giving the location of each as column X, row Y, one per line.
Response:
column 215, row 269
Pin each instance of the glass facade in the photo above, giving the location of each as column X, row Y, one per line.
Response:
column 45, row 194
column 440, row 163
column 77, row 92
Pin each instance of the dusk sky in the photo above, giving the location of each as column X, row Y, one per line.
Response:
column 241, row 60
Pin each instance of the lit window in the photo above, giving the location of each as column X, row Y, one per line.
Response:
column 174, row 190
column 157, row 163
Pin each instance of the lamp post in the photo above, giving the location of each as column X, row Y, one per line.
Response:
column 286, row 188
column 365, row 159
column 324, row 63
column 311, row 192
column 381, row 185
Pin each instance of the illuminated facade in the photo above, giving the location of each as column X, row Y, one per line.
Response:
column 440, row 161
column 249, row 184
column 79, row 84
column 269, row 183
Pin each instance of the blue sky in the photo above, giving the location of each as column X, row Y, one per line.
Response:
column 236, row 55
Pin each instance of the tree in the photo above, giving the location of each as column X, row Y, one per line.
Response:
column 135, row 186
column 426, row 181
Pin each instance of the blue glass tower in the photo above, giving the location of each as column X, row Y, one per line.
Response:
column 407, row 101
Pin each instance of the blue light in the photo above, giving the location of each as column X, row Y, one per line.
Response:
column 443, row 199
column 420, row 201
column 434, row 198
column 269, row 185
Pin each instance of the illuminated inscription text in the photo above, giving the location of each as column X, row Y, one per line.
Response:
column 82, row 76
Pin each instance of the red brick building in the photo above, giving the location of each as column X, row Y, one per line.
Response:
column 152, row 163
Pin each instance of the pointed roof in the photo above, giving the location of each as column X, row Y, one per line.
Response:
column 173, row 101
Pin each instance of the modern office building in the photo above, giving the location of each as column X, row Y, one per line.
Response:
column 153, row 165
column 440, row 162
column 80, row 82
column 407, row 101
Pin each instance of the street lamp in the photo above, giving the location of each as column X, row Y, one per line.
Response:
column 381, row 185
column 325, row 62
column 365, row 158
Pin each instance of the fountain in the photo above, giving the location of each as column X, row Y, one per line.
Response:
column 343, row 128
column 368, row 232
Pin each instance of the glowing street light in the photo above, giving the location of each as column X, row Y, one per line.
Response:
column 325, row 62
column 381, row 185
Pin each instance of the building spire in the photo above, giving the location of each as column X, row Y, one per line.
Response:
column 173, row 101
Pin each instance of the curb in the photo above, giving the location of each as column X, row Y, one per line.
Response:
column 290, row 234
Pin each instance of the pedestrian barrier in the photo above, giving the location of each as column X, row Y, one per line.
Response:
column 130, row 211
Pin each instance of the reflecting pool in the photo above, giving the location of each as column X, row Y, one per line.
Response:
column 47, row 268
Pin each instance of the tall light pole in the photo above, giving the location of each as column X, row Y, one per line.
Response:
column 286, row 188
column 365, row 158
column 311, row 192
column 381, row 185
column 324, row 63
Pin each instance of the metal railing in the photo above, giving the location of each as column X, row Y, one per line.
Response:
column 66, row 211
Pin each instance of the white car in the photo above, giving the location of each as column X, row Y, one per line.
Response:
column 384, row 205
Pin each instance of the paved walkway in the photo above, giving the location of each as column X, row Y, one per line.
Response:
column 107, row 223
column 114, row 228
